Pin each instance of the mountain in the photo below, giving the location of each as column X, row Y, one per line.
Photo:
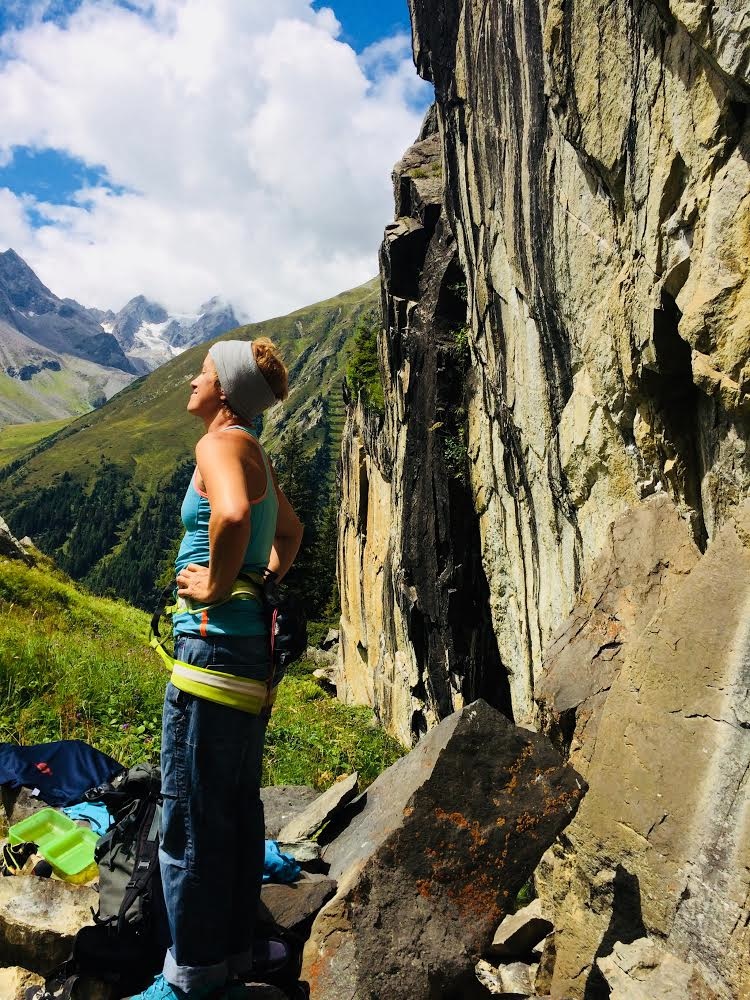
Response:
column 56, row 360
column 102, row 495
column 60, row 325
column 149, row 335
column 59, row 358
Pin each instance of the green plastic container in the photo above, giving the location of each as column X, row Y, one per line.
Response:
column 69, row 848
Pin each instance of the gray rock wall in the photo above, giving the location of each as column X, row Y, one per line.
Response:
column 597, row 181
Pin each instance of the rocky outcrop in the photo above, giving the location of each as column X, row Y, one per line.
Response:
column 444, row 840
column 10, row 547
column 598, row 186
column 416, row 637
column 595, row 201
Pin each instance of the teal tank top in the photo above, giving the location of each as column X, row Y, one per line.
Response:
column 237, row 617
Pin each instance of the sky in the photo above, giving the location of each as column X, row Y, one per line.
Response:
column 182, row 149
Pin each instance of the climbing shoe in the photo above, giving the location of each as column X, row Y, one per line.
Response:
column 160, row 989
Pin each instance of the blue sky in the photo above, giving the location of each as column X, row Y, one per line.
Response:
column 54, row 175
column 365, row 21
column 181, row 149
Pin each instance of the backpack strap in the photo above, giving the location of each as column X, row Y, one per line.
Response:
column 55, row 987
column 147, row 859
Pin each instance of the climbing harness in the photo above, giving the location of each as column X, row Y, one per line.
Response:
column 244, row 694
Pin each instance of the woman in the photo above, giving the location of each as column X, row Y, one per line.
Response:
column 237, row 520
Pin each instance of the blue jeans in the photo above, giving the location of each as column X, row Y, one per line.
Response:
column 212, row 841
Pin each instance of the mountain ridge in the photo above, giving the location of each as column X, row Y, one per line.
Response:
column 142, row 441
column 59, row 358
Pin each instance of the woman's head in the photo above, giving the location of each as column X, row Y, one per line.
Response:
column 251, row 375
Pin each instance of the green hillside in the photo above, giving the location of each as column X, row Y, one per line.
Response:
column 17, row 440
column 73, row 666
column 102, row 495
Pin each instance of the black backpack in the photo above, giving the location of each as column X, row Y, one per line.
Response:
column 287, row 624
column 126, row 944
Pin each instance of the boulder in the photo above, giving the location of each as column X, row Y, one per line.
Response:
column 39, row 919
column 10, row 547
column 304, row 852
column 321, row 811
column 323, row 657
column 643, row 970
column 511, row 980
column 14, row 981
column 291, row 906
column 644, row 550
column 331, row 639
column 327, row 677
column 519, row 932
column 445, row 840
column 281, row 803
column 662, row 840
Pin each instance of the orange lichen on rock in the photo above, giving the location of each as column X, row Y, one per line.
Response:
column 423, row 888
column 459, row 820
column 477, row 900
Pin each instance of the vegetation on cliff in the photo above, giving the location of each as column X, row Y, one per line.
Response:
column 363, row 370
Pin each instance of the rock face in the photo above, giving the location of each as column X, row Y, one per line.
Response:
column 597, row 177
column 596, row 203
column 416, row 638
column 661, row 844
column 445, row 840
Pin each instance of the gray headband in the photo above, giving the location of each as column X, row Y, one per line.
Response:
column 243, row 382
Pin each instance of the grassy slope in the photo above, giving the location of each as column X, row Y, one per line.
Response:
column 146, row 431
column 57, row 394
column 145, row 425
column 73, row 666
column 17, row 439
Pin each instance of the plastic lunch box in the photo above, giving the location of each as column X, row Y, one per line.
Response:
column 69, row 848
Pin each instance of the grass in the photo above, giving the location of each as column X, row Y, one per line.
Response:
column 16, row 439
column 74, row 666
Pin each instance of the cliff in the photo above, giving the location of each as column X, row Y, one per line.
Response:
column 597, row 193
column 416, row 635
column 577, row 476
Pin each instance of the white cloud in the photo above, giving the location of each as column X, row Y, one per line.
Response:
column 254, row 147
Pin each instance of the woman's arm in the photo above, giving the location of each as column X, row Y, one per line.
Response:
column 225, row 475
column 288, row 537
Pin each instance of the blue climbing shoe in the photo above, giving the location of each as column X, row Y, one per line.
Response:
column 160, row 989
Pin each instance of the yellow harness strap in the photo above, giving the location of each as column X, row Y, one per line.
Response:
column 213, row 685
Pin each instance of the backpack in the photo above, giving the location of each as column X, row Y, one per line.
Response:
column 125, row 946
column 287, row 624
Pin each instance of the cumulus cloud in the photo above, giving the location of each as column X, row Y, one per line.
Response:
column 248, row 150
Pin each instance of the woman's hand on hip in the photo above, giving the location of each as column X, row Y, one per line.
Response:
column 193, row 581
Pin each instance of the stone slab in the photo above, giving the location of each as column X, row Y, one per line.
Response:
column 291, row 906
column 281, row 803
column 520, row 931
column 321, row 811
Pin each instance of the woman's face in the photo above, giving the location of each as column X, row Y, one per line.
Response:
column 205, row 399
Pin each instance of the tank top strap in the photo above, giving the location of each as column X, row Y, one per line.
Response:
column 251, row 432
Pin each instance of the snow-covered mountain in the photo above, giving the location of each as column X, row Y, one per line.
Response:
column 59, row 358
column 149, row 335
